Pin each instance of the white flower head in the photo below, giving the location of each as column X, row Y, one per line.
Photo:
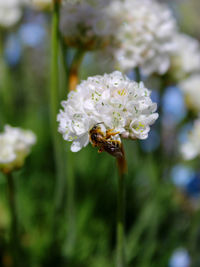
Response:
column 10, row 12
column 87, row 24
column 191, row 90
column 186, row 60
column 113, row 100
column 145, row 37
column 191, row 148
column 15, row 145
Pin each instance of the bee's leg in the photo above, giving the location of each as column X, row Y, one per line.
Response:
column 100, row 150
column 110, row 133
column 114, row 141
column 94, row 145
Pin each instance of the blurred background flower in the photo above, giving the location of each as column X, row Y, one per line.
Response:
column 145, row 36
column 10, row 12
column 15, row 147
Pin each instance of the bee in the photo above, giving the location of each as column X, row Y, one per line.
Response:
column 105, row 142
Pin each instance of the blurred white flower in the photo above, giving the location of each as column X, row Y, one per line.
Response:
column 186, row 60
column 112, row 99
column 10, row 12
column 15, row 145
column 191, row 90
column 191, row 148
column 87, row 24
column 145, row 36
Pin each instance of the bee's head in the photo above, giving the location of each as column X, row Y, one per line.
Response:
column 96, row 126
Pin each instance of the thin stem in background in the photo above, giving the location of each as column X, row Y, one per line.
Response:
column 74, row 69
column 6, row 96
column 14, row 235
column 73, row 79
column 54, row 103
column 71, row 209
column 120, row 219
column 1, row 91
column 137, row 75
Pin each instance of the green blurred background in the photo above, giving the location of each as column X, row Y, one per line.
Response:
column 162, row 191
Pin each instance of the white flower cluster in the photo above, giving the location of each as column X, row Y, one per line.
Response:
column 112, row 99
column 15, row 145
column 186, row 60
column 145, row 36
column 86, row 24
column 191, row 90
column 10, row 12
column 191, row 148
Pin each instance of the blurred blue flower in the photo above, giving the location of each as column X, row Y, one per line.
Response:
column 182, row 175
column 13, row 50
column 180, row 258
column 193, row 187
column 173, row 105
column 183, row 133
column 32, row 34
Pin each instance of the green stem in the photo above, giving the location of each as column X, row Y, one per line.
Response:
column 54, row 102
column 71, row 211
column 64, row 50
column 71, row 236
column 120, row 220
column 6, row 96
column 14, row 237
column 74, row 69
column 1, row 89
column 138, row 75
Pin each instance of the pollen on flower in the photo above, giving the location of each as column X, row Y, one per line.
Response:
column 122, row 92
column 140, row 127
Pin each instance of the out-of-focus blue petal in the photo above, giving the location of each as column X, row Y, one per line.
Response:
column 173, row 105
column 180, row 258
column 182, row 175
column 13, row 50
column 32, row 34
column 183, row 134
column 193, row 187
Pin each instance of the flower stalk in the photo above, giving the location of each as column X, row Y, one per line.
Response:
column 74, row 69
column 14, row 235
column 120, row 216
column 73, row 79
column 54, row 100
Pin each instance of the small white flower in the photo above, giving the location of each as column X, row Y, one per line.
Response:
column 112, row 99
column 186, row 60
column 191, row 90
column 15, row 145
column 191, row 148
column 145, row 37
column 10, row 12
column 87, row 24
